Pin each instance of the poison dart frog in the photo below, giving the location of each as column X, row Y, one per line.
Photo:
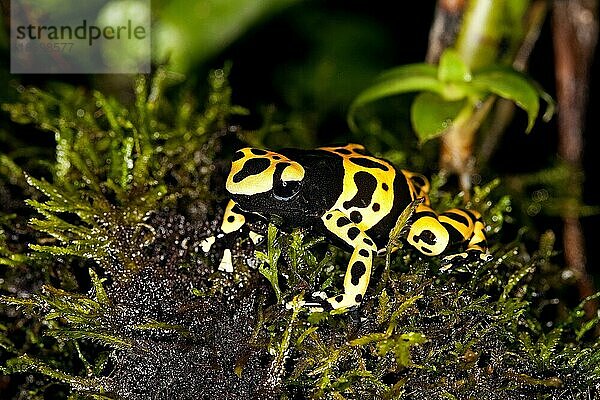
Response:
column 351, row 197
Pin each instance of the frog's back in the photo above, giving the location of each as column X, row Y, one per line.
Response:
column 373, row 194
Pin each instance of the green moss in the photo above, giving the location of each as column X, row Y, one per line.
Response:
column 106, row 293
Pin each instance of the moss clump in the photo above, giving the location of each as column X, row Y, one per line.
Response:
column 108, row 295
column 480, row 332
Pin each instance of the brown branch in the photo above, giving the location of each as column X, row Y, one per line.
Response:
column 575, row 33
column 445, row 27
column 504, row 109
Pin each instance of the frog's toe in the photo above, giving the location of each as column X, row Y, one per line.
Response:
column 466, row 257
column 319, row 306
column 343, row 302
column 313, row 306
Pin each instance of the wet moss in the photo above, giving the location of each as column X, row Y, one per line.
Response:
column 107, row 294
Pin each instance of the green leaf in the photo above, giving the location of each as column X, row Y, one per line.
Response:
column 162, row 327
column 406, row 71
column 401, row 224
column 16, row 301
column 431, row 115
column 515, row 278
column 400, row 345
column 101, row 295
column 369, row 338
column 13, row 260
column 379, row 337
column 269, row 267
column 512, row 85
column 452, row 68
column 402, row 308
column 26, row 363
column 404, row 79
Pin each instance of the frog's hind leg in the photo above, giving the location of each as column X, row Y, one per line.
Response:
column 470, row 225
column 427, row 233
column 433, row 234
column 358, row 272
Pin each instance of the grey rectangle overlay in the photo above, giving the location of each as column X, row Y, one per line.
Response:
column 80, row 37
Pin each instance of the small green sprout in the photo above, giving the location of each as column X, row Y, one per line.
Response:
column 269, row 266
column 449, row 93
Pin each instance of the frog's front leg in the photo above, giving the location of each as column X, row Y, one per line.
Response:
column 358, row 272
column 233, row 220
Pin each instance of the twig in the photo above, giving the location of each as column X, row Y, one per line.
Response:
column 445, row 27
column 575, row 32
column 504, row 109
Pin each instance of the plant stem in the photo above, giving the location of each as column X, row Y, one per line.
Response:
column 490, row 33
column 445, row 27
column 575, row 32
column 504, row 109
column 457, row 143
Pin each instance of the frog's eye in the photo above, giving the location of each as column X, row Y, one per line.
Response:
column 285, row 190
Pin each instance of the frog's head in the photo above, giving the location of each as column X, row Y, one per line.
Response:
column 257, row 173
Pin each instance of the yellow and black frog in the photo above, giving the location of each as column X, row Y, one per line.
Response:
column 351, row 197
